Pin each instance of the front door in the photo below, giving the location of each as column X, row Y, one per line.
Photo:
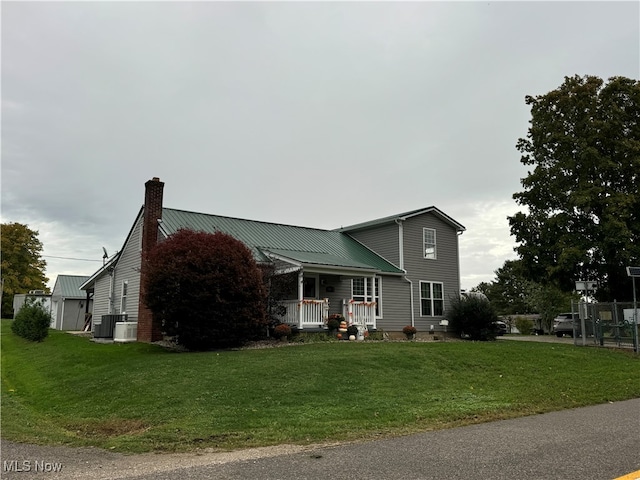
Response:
column 310, row 287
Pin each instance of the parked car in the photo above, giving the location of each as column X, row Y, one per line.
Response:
column 501, row 328
column 563, row 324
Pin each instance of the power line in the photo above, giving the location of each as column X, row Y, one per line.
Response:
column 70, row 258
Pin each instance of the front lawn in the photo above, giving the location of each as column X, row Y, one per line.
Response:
column 140, row 397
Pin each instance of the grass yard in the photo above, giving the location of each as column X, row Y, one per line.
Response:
column 140, row 397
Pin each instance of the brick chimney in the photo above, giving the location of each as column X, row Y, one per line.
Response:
column 148, row 329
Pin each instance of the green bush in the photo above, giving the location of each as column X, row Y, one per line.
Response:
column 377, row 335
column 472, row 317
column 333, row 322
column 311, row 337
column 524, row 325
column 32, row 321
column 352, row 330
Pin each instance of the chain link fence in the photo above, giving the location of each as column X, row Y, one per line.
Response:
column 606, row 324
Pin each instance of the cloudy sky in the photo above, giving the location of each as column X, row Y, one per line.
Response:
column 314, row 114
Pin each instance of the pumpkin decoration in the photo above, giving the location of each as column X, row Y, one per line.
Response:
column 339, row 336
column 343, row 326
column 352, row 337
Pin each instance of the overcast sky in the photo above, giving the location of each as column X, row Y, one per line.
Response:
column 313, row 114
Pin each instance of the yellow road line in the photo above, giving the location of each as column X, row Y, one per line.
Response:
column 630, row 476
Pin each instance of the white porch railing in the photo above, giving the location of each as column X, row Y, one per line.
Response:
column 313, row 313
column 305, row 313
column 360, row 313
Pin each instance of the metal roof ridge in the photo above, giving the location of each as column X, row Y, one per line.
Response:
column 249, row 220
column 291, row 250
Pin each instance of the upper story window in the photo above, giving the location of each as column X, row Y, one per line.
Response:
column 429, row 243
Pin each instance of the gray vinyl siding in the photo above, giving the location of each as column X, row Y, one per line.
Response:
column 396, row 291
column 444, row 269
column 383, row 239
column 341, row 290
column 68, row 312
column 396, row 301
column 101, row 296
column 71, row 314
column 128, row 268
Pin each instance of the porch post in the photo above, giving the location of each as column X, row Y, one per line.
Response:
column 373, row 299
column 300, row 296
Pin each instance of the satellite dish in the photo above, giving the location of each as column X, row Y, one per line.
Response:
column 106, row 255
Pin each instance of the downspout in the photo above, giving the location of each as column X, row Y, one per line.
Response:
column 458, row 261
column 111, row 292
column 413, row 321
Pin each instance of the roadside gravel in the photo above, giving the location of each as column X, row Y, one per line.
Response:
column 98, row 464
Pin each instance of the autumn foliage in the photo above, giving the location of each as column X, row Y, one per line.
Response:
column 206, row 289
column 22, row 267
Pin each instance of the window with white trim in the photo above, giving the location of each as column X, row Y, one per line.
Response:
column 429, row 243
column 361, row 292
column 123, row 297
column 431, row 299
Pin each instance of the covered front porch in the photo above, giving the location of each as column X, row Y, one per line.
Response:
column 311, row 313
column 310, row 292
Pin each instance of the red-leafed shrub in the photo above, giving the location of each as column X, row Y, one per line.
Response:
column 206, row 289
column 281, row 331
column 410, row 331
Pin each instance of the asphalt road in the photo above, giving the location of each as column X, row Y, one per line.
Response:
column 592, row 443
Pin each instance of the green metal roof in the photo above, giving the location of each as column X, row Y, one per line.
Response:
column 68, row 286
column 403, row 216
column 309, row 246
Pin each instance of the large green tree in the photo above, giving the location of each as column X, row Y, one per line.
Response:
column 22, row 264
column 582, row 207
column 508, row 293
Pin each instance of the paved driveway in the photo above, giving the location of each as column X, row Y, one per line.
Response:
column 538, row 338
column 592, row 443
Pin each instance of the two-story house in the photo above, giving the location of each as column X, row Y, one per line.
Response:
column 383, row 274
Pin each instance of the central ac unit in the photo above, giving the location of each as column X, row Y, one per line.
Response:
column 125, row 332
